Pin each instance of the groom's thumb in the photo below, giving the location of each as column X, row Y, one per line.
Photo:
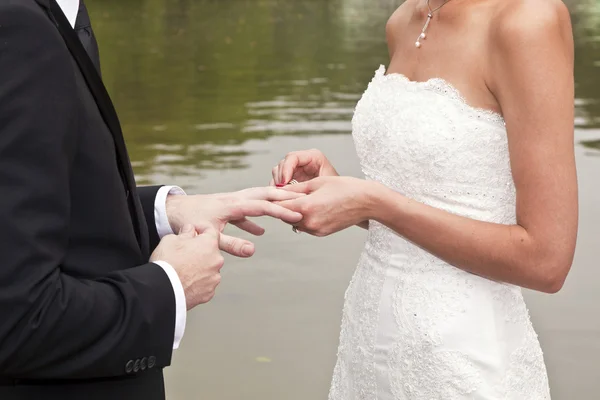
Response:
column 187, row 230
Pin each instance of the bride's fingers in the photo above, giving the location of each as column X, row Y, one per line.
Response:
column 275, row 175
column 291, row 163
column 236, row 246
column 249, row 226
column 280, row 179
column 284, row 171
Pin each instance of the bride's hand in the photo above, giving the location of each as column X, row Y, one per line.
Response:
column 302, row 166
column 332, row 204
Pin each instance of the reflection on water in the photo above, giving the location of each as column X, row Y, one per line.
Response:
column 195, row 79
column 221, row 72
column 211, row 93
column 586, row 26
column 592, row 144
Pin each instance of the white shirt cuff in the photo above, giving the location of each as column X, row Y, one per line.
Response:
column 180, row 302
column 163, row 227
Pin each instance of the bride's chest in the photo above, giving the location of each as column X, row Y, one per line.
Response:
column 425, row 130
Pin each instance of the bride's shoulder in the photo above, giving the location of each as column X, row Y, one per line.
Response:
column 401, row 16
column 527, row 22
column 526, row 37
column 399, row 20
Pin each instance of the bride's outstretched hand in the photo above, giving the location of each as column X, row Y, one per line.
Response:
column 332, row 204
column 302, row 166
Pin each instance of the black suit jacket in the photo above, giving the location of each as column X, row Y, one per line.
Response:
column 83, row 313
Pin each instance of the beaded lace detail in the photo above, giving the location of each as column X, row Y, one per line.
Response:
column 413, row 326
column 444, row 88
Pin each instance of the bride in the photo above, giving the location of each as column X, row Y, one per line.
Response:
column 466, row 142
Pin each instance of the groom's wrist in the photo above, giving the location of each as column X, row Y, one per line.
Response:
column 165, row 210
column 180, row 301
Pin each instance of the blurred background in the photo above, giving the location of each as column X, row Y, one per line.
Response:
column 213, row 93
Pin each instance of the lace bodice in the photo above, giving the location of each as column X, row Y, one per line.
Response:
column 415, row 327
column 424, row 140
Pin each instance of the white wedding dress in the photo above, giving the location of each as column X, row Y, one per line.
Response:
column 415, row 327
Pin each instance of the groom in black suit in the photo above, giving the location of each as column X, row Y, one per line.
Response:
column 94, row 286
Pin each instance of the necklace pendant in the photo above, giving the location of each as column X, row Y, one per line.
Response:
column 423, row 34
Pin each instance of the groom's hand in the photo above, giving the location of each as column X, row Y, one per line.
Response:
column 196, row 258
column 220, row 209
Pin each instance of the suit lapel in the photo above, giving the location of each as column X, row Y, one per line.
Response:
column 98, row 90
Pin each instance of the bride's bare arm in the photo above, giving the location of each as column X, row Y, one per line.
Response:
column 533, row 82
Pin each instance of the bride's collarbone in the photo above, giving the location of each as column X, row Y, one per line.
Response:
column 454, row 50
column 461, row 67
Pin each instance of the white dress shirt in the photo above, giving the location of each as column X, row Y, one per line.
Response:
column 70, row 8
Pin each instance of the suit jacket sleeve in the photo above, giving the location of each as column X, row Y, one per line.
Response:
column 54, row 325
column 147, row 197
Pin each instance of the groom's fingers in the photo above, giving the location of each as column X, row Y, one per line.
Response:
column 268, row 193
column 292, row 205
column 236, row 246
column 249, row 227
column 260, row 208
column 275, row 194
column 304, row 188
column 187, row 230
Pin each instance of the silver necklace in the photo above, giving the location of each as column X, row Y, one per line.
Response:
column 423, row 34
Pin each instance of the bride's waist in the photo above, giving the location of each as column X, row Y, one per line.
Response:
column 405, row 262
column 401, row 255
column 390, row 252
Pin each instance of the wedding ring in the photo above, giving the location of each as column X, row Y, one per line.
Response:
column 293, row 182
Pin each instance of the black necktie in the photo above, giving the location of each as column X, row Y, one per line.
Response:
column 83, row 27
